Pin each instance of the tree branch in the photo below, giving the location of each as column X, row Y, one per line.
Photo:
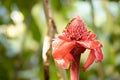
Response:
column 48, row 42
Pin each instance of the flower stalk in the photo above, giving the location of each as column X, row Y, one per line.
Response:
column 74, row 69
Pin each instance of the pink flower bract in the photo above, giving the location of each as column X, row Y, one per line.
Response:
column 73, row 41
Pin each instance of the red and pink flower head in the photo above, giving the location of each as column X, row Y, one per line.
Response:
column 74, row 40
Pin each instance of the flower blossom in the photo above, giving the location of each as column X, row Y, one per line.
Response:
column 72, row 42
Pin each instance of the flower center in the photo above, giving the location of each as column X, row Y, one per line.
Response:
column 77, row 50
column 76, row 29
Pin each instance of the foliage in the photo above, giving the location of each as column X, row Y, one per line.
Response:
column 23, row 26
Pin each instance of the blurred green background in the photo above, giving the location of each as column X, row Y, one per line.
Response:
column 23, row 27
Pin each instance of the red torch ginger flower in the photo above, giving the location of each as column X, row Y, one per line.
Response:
column 74, row 40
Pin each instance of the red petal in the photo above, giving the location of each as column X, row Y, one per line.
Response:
column 98, row 54
column 65, row 62
column 61, row 48
column 90, row 44
column 90, row 60
column 92, row 36
column 61, row 36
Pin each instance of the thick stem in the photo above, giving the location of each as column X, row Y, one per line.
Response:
column 74, row 68
column 48, row 41
column 48, row 38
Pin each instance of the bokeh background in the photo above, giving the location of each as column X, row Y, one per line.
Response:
column 23, row 27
